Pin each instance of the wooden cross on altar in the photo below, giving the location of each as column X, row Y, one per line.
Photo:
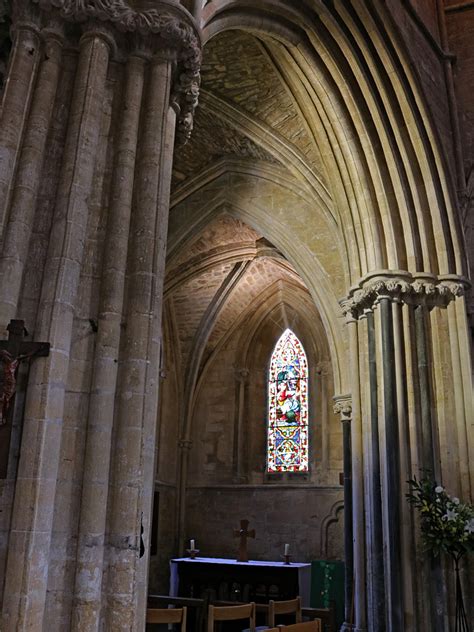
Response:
column 243, row 533
column 12, row 352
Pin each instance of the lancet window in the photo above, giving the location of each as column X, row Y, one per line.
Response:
column 287, row 439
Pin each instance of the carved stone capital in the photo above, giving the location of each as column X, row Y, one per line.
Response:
column 402, row 287
column 349, row 310
column 93, row 29
column 168, row 24
column 343, row 406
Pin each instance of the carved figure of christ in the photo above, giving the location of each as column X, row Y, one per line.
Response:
column 12, row 352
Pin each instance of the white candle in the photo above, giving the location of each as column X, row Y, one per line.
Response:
column 192, row 547
column 287, row 549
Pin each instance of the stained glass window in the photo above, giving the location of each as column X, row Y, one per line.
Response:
column 287, row 442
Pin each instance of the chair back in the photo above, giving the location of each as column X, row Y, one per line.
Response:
column 307, row 626
column 231, row 613
column 291, row 606
column 167, row 615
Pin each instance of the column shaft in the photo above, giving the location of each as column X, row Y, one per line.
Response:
column 25, row 190
column 322, row 375
column 348, row 521
column 407, row 527
column 424, row 381
column 391, row 465
column 16, row 101
column 90, row 555
column 429, row 464
column 27, row 568
column 375, row 542
column 139, row 366
column 357, row 484
column 459, row 403
column 238, row 450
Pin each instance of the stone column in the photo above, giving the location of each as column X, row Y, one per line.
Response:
column 375, row 540
column 19, row 225
column 358, row 522
column 400, row 375
column 184, row 446
column 27, row 566
column 92, row 525
column 242, row 376
column 136, row 416
column 390, row 463
column 25, row 56
column 429, row 464
column 407, row 540
column 343, row 407
column 322, row 373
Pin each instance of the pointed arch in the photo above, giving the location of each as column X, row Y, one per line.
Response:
column 287, row 438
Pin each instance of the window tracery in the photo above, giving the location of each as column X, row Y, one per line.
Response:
column 287, row 437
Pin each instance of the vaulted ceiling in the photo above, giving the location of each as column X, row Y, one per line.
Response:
column 224, row 269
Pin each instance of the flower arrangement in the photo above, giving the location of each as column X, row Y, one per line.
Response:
column 447, row 524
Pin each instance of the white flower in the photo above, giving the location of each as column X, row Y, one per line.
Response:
column 469, row 526
column 450, row 514
column 439, row 489
column 455, row 500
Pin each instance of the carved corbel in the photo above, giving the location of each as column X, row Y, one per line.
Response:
column 343, row 407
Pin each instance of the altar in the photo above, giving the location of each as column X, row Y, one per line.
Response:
column 230, row 580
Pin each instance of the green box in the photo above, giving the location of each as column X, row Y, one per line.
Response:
column 327, row 586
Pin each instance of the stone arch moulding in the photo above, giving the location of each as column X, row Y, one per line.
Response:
column 397, row 208
column 332, row 517
column 315, row 277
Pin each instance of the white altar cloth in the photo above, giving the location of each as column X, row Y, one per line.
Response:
column 303, row 569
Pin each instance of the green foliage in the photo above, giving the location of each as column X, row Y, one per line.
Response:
column 447, row 524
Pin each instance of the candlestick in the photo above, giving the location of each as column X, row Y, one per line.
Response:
column 287, row 549
column 192, row 545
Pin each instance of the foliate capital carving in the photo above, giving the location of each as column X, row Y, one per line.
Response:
column 170, row 26
column 403, row 287
column 349, row 309
column 343, row 407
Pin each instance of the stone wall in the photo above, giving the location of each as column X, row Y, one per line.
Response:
column 227, row 479
column 280, row 514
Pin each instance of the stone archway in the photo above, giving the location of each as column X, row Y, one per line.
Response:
column 364, row 165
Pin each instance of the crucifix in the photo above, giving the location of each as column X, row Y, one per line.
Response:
column 13, row 352
column 243, row 533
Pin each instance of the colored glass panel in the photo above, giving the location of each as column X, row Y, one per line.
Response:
column 287, row 444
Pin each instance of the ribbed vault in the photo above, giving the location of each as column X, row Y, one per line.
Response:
column 342, row 141
column 369, row 127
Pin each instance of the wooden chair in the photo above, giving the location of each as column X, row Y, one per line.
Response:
column 231, row 613
column 291, row 606
column 196, row 609
column 307, row 626
column 167, row 615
